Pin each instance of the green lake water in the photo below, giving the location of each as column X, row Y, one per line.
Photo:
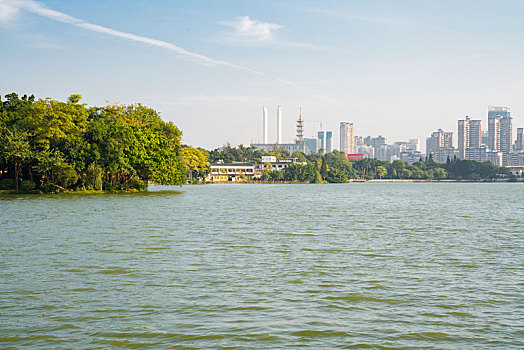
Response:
column 354, row 266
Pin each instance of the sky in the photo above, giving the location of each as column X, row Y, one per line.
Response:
column 400, row 69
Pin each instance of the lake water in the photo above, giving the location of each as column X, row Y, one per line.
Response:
column 361, row 265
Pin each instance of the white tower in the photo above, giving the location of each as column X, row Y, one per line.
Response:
column 265, row 128
column 279, row 125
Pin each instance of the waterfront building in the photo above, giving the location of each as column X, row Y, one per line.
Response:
column 469, row 135
column 231, row 172
column 347, row 137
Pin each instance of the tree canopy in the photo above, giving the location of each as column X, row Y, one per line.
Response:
column 68, row 145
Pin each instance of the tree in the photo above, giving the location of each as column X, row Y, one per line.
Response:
column 381, row 171
column 195, row 162
column 16, row 150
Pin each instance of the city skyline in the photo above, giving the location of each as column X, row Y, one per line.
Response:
column 469, row 132
column 409, row 67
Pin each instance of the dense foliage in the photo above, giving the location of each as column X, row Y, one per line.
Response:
column 51, row 145
column 335, row 167
column 195, row 162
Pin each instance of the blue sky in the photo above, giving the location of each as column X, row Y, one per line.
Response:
column 400, row 69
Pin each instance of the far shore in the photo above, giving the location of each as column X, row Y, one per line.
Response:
column 358, row 181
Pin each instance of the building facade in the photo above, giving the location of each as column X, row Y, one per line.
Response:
column 322, row 140
column 438, row 140
column 500, row 133
column 347, row 137
column 519, row 142
column 469, row 135
column 329, row 141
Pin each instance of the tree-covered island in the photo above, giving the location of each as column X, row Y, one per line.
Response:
column 50, row 146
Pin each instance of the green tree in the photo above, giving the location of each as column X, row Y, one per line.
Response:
column 16, row 150
column 195, row 161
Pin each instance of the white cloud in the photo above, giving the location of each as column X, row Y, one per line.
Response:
column 252, row 32
column 9, row 10
column 246, row 28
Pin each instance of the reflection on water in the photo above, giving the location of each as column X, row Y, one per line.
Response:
column 382, row 266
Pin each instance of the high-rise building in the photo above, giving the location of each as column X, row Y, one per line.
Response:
column 519, row 142
column 500, row 132
column 506, row 134
column 469, row 135
column 440, row 146
column 439, row 139
column 347, row 137
column 485, row 138
column 329, row 141
column 322, row 140
column 378, row 141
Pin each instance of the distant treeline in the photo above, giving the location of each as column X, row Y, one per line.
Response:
column 335, row 167
column 50, row 146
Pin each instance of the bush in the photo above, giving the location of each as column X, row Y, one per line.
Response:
column 94, row 177
column 27, row 185
column 7, row 184
column 65, row 175
column 108, row 186
column 136, row 183
column 49, row 188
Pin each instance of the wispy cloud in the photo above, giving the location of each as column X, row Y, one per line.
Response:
column 14, row 6
column 246, row 28
column 8, row 11
column 252, row 32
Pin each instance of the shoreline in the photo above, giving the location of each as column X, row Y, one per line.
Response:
column 357, row 181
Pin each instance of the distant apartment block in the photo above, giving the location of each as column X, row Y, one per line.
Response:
column 347, row 137
column 329, row 141
column 469, row 135
column 519, row 142
column 439, row 139
column 500, row 133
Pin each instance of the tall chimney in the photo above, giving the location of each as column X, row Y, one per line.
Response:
column 279, row 125
column 264, row 127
